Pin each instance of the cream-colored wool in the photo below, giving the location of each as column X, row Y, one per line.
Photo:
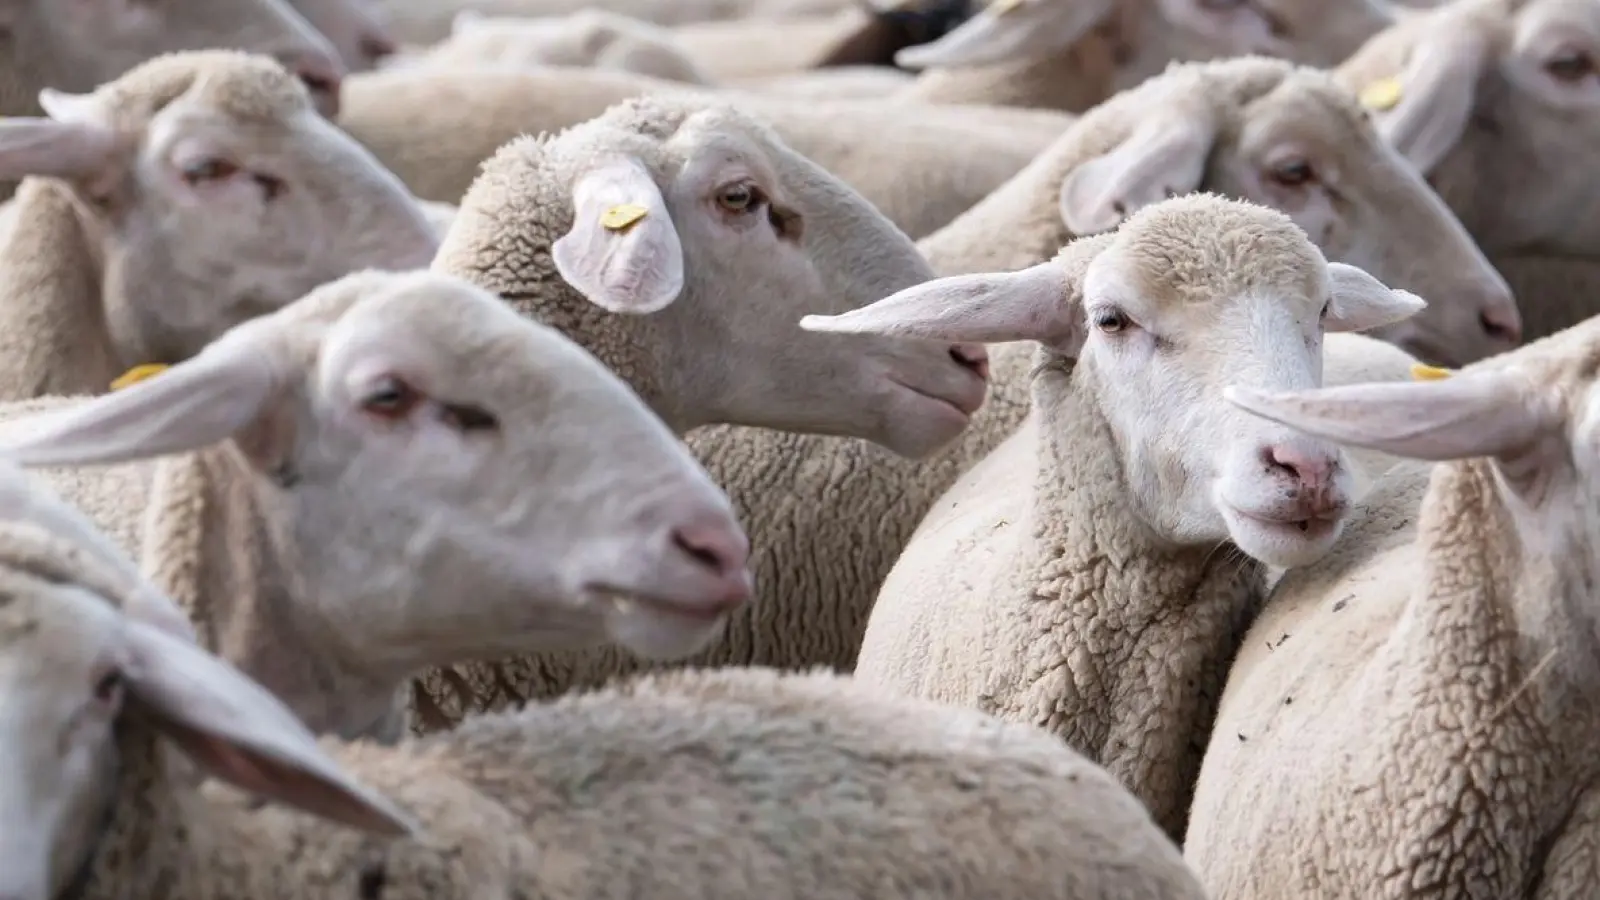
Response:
column 110, row 259
column 1435, row 673
column 435, row 128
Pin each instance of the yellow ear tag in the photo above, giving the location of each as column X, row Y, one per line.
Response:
column 622, row 216
column 1381, row 95
column 1420, row 372
column 138, row 374
column 1001, row 7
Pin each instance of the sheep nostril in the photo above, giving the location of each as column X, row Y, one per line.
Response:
column 975, row 359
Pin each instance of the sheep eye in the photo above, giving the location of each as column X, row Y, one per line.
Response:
column 1110, row 321
column 209, row 169
column 1570, row 65
column 391, row 399
column 737, row 198
column 108, row 688
column 1293, row 173
column 465, row 418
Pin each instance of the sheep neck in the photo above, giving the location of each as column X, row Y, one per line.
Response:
column 219, row 546
column 1521, row 620
column 1149, row 628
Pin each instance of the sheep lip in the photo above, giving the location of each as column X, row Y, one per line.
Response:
column 958, row 407
column 658, row 604
column 1310, row 526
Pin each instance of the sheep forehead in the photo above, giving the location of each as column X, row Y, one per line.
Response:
column 239, row 85
column 1236, row 79
column 1201, row 250
column 1583, row 15
column 683, row 131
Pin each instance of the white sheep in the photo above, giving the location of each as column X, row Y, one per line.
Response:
column 1073, row 54
column 1497, row 102
column 355, row 28
column 1093, row 574
column 1415, row 714
column 78, row 52
column 588, row 38
column 697, row 785
column 724, row 238
column 394, row 472
column 920, row 166
column 198, row 190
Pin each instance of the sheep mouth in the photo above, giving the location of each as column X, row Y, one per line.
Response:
column 629, row 601
column 960, row 407
column 1307, row 527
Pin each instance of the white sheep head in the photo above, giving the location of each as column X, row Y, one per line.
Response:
column 92, row 660
column 450, row 478
column 1497, row 102
column 687, row 227
column 1189, row 296
column 215, row 193
column 1292, row 138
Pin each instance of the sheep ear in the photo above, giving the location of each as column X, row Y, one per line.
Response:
column 1008, row 29
column 622, row 252
column 203, row 401
column 76, row 151
column 1359, row 302
column 1424, row 112
column 238, row 731
column 1035, row 303
column 1476, row 414
column 1164, row 157
column 1240, row 26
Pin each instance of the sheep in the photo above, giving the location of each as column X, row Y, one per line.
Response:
column 587, row 38
column 429, row 21
column 829, row 517
column 1436, row 671
column 706, row 784
column 893, row 25
column 196, row 191
column 79, row 48
column 434, row 128
column 1073, row 54
column 354, row 28
column 537, row 491
column 1498, row 104
column 1092, row 575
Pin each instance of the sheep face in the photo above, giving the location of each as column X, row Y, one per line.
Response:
column 1189, row 296
column 353, row 26
column 1291, row 138
column 460, row 481
column 77, row 46
column 1531, row 417
column 696, row 221
column 216, row 195
column 1498, row 104
column 78, row 677
column 1318, row 33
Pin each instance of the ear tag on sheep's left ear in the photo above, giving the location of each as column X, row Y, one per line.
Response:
column 622, row 216
column 1381, row 95
column 1420, row 372
column 138, row 374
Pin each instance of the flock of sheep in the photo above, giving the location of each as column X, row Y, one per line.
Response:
column 1093, row 449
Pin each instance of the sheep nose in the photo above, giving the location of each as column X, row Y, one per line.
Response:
column 1312, row 470
column 375, row 46
column 323, row 76
column 974, row 357
column 724, row 551
column 1502, row 324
